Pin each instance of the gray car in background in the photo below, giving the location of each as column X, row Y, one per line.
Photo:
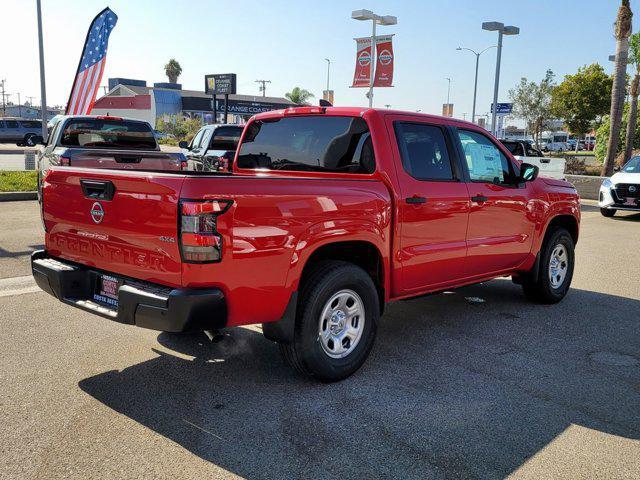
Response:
column 20, row 131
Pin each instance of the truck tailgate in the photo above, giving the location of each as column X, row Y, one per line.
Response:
column 121, row 223
column 123, row 159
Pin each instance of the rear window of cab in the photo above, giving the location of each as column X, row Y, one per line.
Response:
column 312, row 143
column 107, row 133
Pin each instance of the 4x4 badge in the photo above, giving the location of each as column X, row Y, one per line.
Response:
column 97, row 212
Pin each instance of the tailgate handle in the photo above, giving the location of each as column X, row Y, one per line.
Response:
column 120, row 159
column 545, row 160
column 98, row 189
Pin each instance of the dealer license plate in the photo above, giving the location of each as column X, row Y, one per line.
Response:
column 107, row 291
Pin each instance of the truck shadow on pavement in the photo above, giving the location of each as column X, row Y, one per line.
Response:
column 456, row 387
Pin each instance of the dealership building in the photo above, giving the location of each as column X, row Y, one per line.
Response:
column 134, row 99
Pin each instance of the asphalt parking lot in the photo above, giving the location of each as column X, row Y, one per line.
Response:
column 456, row 387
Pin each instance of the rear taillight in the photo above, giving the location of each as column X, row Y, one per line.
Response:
column 200, row 241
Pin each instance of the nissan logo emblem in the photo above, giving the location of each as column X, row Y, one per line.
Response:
column 97, row 212
column 632, row 189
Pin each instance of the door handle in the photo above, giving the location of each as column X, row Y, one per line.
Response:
column 98, row 189
column 415, row 200
column 479, row 199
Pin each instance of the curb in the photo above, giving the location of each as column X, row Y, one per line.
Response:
column 15, row 196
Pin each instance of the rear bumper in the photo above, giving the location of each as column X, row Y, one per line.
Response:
column 142, row 304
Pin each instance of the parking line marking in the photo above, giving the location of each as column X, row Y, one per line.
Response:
column 17, row 286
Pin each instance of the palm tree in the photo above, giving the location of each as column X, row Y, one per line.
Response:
column 299, row 96
column 622, row 33
column 173, row 70
column 634, row 58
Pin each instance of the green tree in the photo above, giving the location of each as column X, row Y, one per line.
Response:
column 622, row 32
column 181, row 128
column 532, row 103
column 582, row 99
column 634, row 59
column 173, row 70
column 299, row 96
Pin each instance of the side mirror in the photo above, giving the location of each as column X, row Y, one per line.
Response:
column 617, row 168
column 183, row 144
column 528, row 172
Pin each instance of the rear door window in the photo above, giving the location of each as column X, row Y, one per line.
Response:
column 424, row 151
column 11, row 124
column 108, row 133
column 315, row 143
column 225, row 138
column 515, row 148
column 31, row 124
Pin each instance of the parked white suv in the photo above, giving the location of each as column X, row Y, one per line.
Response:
column 622, row 190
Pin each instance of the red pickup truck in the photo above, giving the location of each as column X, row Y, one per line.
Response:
column 327, row 215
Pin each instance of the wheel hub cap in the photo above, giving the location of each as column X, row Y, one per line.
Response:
column 558, row 266
column 341, row 324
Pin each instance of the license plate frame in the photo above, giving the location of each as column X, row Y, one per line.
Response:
column 106, row 292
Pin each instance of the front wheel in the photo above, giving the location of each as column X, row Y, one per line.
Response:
column 554, row 276
column 607, row 212
column 336, row 322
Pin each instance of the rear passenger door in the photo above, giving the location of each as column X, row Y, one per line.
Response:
column 500, row 223
column 434, row 206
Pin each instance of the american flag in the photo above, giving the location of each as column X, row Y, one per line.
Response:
column 94, row 56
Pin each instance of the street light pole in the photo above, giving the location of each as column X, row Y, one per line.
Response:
column 375, row 19
column 448, row 92
column 475, row 83
column 43, row 88
column 502, row 30
column 372, row 62
column 328, row 67
column 496, row 85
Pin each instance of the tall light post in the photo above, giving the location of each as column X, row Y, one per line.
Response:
column 328, row 67
column 475, row 84
column 502, row 30
column 375, row 20
column 448, row 91
column 43, row 88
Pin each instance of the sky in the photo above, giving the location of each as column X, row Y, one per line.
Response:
column 287, row 41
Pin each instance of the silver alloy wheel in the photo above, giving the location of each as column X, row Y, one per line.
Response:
column 558, row 265
column 341, row 324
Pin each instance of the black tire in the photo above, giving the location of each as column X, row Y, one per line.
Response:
column 306, row 353
column 607, row 212
column 540, row 289
column 28, row 140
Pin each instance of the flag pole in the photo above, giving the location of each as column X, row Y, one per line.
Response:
column 43, row 87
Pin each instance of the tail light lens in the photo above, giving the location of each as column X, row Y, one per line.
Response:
column 200, row 241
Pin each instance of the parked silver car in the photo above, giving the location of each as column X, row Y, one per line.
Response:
column 20, row 131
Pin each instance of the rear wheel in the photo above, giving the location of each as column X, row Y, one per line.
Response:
column 607, row 212
column 556, row 269
column 29, row 140
column 336, row 322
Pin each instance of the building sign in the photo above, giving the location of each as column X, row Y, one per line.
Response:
column 447, row 109
column 384, row 62
column 244, row 107
column 221, row 84
column 503, row 108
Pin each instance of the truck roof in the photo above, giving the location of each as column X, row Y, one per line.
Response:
column 358, row 112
